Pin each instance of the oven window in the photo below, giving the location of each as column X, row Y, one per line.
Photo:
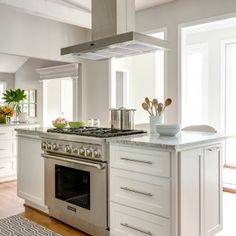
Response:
column 73, row 186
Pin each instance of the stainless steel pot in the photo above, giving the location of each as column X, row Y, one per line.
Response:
column 122, row 118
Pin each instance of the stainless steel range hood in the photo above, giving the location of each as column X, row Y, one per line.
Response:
column 112, row 33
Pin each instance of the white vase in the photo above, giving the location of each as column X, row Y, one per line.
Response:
column 23, row 117
column 153, row 120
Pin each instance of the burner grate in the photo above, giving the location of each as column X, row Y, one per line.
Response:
column 95, row 132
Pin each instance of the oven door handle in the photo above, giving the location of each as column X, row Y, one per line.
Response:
column 99, row 166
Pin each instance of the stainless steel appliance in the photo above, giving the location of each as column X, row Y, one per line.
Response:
column 113, row 24
column 122, row 119
column 76, row 176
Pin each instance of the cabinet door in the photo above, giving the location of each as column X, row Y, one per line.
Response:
column 212, row 190
column 190, row 192
column 30, row 172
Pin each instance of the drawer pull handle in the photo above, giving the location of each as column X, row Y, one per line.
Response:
column 2, row 133
column 136, row 191
column 2, row 167
column 137, row 229
column 2, row 149
column 213, row 149
column 134, row 160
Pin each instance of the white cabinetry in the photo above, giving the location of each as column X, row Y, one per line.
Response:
column 30, row 175
column 167, row 193
column 7, row 153
column 139, row 191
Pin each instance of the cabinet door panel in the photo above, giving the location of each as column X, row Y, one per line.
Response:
column 190, row 192
column 212, row 190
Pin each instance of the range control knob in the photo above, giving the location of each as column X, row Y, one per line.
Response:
column 82, row 151
column 55, row 147
column 75, row 150
column 44, row 145
column 67, row 149
column 49, row 146
column 97, row 153
column 89, row 152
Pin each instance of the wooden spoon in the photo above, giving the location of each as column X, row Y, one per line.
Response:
column 160, row 108
column 155, row 104
column 168, row 101
column 146, row 107
column 149, row 103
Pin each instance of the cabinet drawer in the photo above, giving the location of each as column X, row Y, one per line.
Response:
column 147, row 193
column 7, row 148
column 140, row 160
column 6, row 133
column 7, row 167
column 127, row 221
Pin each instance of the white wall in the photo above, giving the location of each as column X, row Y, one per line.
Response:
column 27, row 78
column 8, row 78
column 95, row 90
column 170, row 15
column 141, row 70
column 33, row 36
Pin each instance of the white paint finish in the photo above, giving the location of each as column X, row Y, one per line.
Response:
column 152, row 193
column 8, row 79
column 11, row 63
column 30, row 170
column 146, row 161
column 190, row 198
column 7, row 168
column 141, row 4
column 138, row 219
column 181, row 11
column 7, row 148
column 212, row 190
column 52, row 10
column 95, row 91
column 36, row 37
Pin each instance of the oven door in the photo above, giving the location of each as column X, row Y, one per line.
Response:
column 76, row 191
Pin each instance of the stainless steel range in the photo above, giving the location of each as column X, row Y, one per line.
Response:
column 76, row 176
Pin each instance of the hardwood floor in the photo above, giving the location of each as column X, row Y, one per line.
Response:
column 10, row 205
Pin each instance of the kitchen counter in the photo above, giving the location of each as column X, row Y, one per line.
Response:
column 185, row 139
column 32, row 131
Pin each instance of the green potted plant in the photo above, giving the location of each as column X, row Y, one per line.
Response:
column 14, row 97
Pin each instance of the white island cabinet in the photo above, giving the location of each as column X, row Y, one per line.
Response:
column 166, row 187
column 30, row 170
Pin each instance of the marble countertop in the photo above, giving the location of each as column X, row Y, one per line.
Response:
column 18, row 125
column 184, row 139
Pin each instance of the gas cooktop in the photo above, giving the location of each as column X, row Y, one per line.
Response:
column 95, row 132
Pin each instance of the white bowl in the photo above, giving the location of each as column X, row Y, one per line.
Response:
column 167, row 130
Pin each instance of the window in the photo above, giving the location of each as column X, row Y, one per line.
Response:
column 2, row 90
column 57, row 100
column 29, row 105
column 194, row 85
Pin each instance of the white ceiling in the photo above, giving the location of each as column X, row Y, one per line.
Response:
column 10, row 63
column 75, row 12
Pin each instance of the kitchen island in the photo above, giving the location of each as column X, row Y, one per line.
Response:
column 168, row 186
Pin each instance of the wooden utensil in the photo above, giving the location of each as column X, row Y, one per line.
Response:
column 168, row 101
column 146, row 107
column 149, row 103
column 155, row 104
column 160, row 108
